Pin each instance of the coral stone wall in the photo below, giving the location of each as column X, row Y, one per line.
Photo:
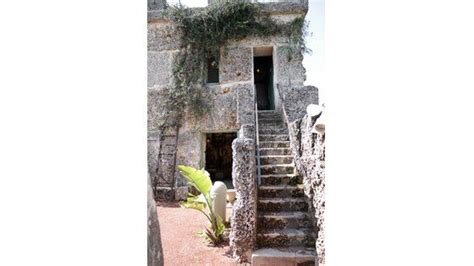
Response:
column 156, row 4
column 229, row 106
column 244, row 211
column 163, row 46
column 307, row 141
column 307, row 136
column 231, row 102
column 296, row 99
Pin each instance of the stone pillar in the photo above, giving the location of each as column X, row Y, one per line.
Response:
column 244, row 213
column 155, row 251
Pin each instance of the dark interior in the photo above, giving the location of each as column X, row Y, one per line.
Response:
column 212, row 70
column 219, row 157
column 263, row 75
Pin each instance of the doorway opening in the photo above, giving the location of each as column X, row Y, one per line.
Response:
column 219, row 157
column 263, row 77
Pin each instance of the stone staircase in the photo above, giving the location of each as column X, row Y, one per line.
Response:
column 284, row 231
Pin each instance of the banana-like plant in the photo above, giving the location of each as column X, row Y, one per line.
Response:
column 201, row 180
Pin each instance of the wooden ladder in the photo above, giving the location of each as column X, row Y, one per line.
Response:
column 165, row 177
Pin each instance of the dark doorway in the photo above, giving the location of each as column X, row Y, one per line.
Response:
column 212, row 70
column 219, row 157
column 263, row 76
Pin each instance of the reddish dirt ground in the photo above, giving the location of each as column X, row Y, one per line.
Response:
column 181, row 245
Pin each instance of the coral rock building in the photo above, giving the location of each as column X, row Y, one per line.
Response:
column 252, row 137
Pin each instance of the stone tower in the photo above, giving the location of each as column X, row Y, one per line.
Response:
column 244, row 140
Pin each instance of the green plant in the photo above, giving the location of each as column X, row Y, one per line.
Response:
column 296, row 32
column 201, row 180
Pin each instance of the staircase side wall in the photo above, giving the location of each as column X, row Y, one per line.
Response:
column 308, row 145
column 296, row 99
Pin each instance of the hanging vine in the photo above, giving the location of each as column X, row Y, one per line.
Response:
column 203, row 32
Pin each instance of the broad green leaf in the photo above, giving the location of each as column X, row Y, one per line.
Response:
column 193, row 205
column 199, row 179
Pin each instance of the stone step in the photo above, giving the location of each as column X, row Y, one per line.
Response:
column 264, row 113
column 276, row 159
column 269, row 115
column 282, row 204
column 274, row 144
column 277, row 169
column 274, row 115
column 267, row 112
column 290, row 256
column 275, row 151
column 280, row 191
column 276, row 137
column 282, row 220
column 278, row 130
column 271, row 125
column 286, row 237
column 290, row 179
column 270, row 121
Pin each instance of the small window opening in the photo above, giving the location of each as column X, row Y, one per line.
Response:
column 219, row 157
column 212, row 70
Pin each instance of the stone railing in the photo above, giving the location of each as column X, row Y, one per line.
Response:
column 295, row 99
column 244, row 211
column 307, row 140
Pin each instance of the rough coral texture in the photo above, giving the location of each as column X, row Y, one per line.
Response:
column 296, row 99
column 244, row 212
column 290, row 67
column 308, row 146
column 155, row 251
column 156, row 4
column 236, row 65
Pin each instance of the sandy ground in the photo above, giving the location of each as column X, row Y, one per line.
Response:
column 181, row 245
